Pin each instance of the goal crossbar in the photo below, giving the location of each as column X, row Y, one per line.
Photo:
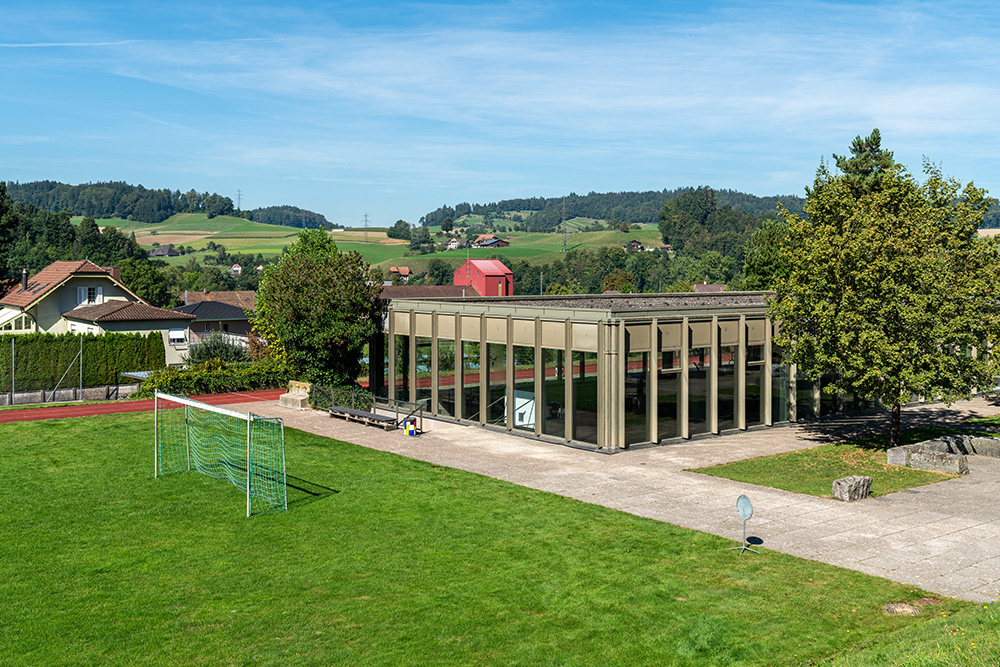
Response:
column 246, row 450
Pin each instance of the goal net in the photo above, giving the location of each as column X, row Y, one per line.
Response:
column 244, row 449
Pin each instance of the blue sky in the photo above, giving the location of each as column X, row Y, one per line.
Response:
column 395, row 108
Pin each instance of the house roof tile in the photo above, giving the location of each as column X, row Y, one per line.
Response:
column 213, row 310
column 124, row 311
column 241, row 298
column 48, row 279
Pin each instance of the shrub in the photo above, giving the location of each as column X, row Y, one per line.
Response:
column 217, row 345
column 217, row 377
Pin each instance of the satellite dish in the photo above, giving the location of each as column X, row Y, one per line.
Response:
column 744, row 507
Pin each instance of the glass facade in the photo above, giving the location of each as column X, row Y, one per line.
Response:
column 667, row 382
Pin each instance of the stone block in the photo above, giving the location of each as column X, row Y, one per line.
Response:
column 855, row 487
column 940, row 461
column 986, row 446
column 898, row 456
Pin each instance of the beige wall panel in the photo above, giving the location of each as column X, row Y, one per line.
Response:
column 422, row 324
column 755, row 332
column 496, row 330
column 670, row 335
column 524, row 332
column 701, row 334
column 402, row 325
column 446, row 326
column 729, row 332
column 470, row 328
column 637, row 337
column 585, row 337
column 554, row 335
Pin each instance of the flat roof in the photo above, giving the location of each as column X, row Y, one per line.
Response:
column 591, row 306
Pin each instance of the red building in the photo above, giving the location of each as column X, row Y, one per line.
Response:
column 488, row 277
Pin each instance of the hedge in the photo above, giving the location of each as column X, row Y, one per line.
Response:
column 42, row 359
column 248, row 376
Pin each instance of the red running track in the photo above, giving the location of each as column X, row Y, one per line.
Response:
column 119, row 407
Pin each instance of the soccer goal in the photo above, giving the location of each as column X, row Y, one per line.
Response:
column 244, row 449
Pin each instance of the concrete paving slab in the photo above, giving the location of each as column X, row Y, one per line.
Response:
column 943, row 537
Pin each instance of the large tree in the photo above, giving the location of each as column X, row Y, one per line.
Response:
column 317, row 307
column 890, row 291
column 8, row 223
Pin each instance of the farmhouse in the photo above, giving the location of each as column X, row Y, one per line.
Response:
column 488, row 277
column 605, row 372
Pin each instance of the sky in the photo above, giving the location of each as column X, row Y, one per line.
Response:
column 392, row 109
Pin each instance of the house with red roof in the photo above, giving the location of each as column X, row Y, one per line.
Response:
column 488, row 277
column 82, row 297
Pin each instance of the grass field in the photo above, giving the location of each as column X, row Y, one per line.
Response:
column 383, row 560
column 813, row 470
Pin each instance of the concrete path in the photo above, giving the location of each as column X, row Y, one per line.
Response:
column 943, row 537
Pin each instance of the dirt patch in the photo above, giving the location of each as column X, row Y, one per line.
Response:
column 170, row 239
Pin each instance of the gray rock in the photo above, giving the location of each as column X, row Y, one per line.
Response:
column 898, row 456
column 940, row 461
column 855, row 487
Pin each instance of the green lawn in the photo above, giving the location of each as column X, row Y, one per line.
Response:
column 813, row 470
column 383, row 560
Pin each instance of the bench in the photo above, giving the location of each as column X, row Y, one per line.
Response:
column 361, row 416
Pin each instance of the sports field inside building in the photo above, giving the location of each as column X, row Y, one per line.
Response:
column 384, row 560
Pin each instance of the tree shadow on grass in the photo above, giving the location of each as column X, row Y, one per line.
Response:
column 871, row 431
column 302, row 491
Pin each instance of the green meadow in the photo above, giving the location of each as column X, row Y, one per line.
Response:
column 383, row 560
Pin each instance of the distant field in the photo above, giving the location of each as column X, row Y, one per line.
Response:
column 196, row 230
column 243, row 236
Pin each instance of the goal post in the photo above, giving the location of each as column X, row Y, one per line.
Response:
column 246, row 450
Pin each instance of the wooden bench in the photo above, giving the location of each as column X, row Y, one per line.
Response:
column 361, row 416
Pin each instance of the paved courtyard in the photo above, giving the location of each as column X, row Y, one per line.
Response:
column 943, row 537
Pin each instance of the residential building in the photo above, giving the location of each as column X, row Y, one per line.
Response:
column 82, row 297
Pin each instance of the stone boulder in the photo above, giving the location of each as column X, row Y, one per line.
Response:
column 855, row 487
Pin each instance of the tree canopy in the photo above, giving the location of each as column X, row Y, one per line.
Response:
column 890, row 291
column 317, row 307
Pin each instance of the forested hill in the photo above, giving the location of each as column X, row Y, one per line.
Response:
column 632, row 207
column 291, row 216
column 115, row 199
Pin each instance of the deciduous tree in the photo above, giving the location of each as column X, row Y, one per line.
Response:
column 317, row 307
column 890, row 290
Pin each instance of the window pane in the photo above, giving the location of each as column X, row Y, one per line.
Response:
column 524, row 388
column 422, row 367
column 636, row 397
column 779, row 388
column 554, row 393
column 699, row 359
column 401, row 386
column 668, row 390
column 585, row 397
column 728, row 358
column 496, row 408
column 470, row 380
column 755, row 395
column 446, row 377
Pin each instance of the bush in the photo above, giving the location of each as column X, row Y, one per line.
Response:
column 217, row 378
column 217, row 345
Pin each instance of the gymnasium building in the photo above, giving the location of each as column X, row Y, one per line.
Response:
column 605, row 372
